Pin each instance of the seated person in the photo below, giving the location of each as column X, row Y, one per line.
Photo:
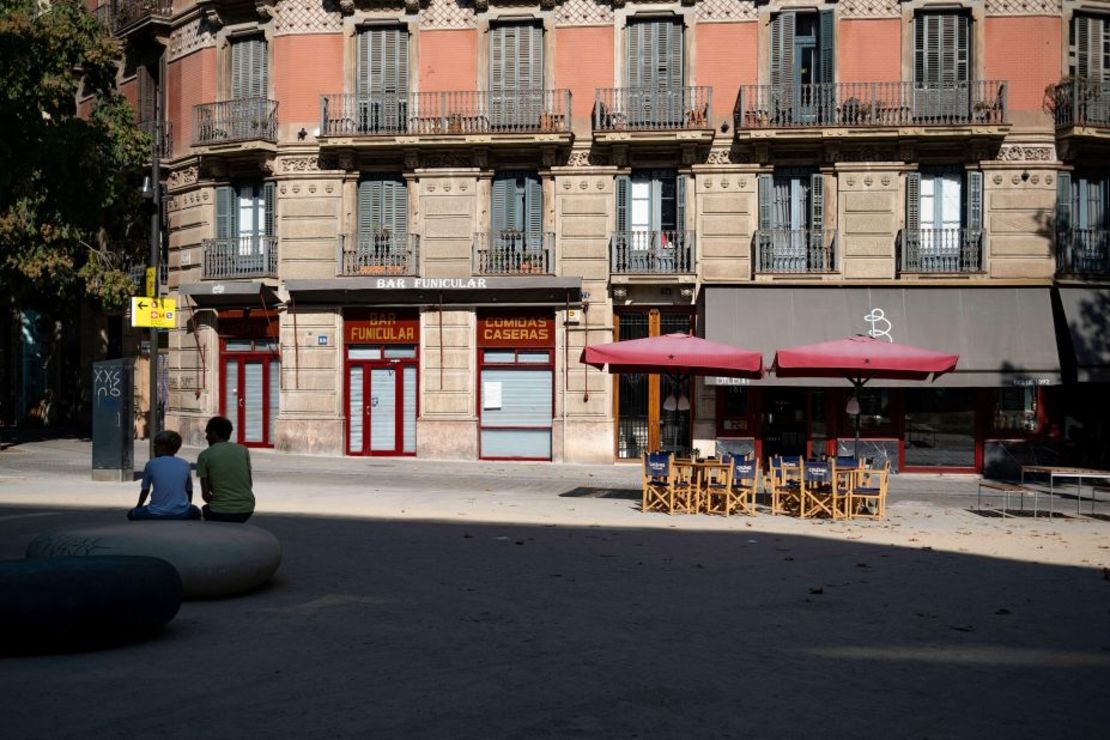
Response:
column 169, row 476
column 224, row 470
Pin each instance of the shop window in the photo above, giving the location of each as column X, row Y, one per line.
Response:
column 875, row 415
column 1016, row 410
column 735, row 406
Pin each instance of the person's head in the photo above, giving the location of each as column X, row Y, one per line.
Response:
column 167, row 442
column 218, row 429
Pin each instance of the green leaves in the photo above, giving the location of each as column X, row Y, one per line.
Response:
column 71, row 160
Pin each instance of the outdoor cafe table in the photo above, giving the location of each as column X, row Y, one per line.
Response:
column 1053, row 472
column 701, row 473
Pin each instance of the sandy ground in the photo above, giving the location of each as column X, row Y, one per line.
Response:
column 421, row 599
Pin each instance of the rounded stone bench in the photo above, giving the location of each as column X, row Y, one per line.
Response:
column 77, row 603
column 214, row 559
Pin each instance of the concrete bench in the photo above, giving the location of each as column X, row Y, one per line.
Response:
column 75, row 603
column 1007, row 489
column 214, row 559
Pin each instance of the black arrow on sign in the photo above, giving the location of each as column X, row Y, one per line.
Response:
column 140, row 304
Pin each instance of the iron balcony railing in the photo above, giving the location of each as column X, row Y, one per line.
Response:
column 1083, row 252
column 147, row 127
column 466, row 112
column 514, row 253
column 876, row 104
column 795, row 251
column 652, row 109
column 380, row 252
column 651, row 252
column 120, row 14
column 240, row 257
column 243, row 119
column 1081, row 102
column 954, row 250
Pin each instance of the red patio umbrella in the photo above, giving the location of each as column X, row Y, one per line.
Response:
column 860, row 359
column 674, row 354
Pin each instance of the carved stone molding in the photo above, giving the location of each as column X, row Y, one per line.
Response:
column 719, row 156
column 290, row 165
column 447, row 14
column 266, row 9
column 316, row 16
column 196, row 34
column 448, row 159
column 869, row 9
column 725, row 11
column 183, row 177
column 586, row 158
column 583, row 13
column 1024, row 7
column 1018, row 153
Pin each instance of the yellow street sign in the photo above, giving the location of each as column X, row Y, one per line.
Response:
column 153, row 313
column 151, row 288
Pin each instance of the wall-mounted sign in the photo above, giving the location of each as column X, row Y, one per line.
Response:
column 154, row 313
column 516, row 330
column 322, row 340
column 381, row 327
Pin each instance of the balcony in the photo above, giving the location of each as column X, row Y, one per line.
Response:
column 804, row 109
column 1081, row 105
column 795, row 251
column 1083, row 252
column 240, row 257
column 941, row 251
column 166, row 149
column 234, row 122
column 123, row 17
column 648, row 113
column 378, row 253
column 445, row 118
column 651, row 253
column 514, row 253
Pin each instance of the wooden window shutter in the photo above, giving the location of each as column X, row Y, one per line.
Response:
column 502, row 193
column 974, row 220
column 533, row 207
column 226, row 210
column 147, row 91
column 397, row 194
column 913, row 203
column 532, row 40
column 680, row 205
column 249, row 69
column 766, row 201
column 962, row 24
column 635, row 50
column 1089, row 48
column 364, row 63
column 671, row 57
column 623, row 187
column 827, row 30
column 1063, row 203
column 369, row 207
column 269, row 202
column 817, row 203
column 782, row 50
column 500, row 40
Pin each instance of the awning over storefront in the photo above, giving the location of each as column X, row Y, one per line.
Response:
column 413, row 291
column 1004, row 336
column 230, row 293
column 1083, row 318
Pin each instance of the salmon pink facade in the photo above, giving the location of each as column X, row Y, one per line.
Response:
column 392, row 228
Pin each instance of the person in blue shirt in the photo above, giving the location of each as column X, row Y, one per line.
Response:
column 169, row 478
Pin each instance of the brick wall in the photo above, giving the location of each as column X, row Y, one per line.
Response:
column 304, row 68
column 726, row 58
column 583, row 63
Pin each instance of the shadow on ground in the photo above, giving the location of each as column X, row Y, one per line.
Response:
column 402, row 629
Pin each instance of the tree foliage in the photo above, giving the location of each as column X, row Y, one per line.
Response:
column 71, row 218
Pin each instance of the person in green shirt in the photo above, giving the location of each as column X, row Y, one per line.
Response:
column 224, row 470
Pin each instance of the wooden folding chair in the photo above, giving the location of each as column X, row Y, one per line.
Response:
column 786, row 479
column 818, row 484
column 685, row 496
column 743, row 482
column 658, row 482
column 870, row 493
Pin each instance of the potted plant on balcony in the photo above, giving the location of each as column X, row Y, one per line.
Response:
column 855, row 111
column 455, row 123
column 697, row 118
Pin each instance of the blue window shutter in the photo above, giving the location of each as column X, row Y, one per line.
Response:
column 623, row 205
column 533, row 208
column 817, row 203
column 269, row 201
column 225, row 209
column 369, row 207
column 782, row 50
column 827, row 29
column 766, row 201
column 680, row 204
column 974, row 200
column 502, row 192
column 636, row 48
column 398, row 192
column 913, row 202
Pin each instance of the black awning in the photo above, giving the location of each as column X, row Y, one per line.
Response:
column 216, row 294
column 1003, row 335
column 1084, row 323
column 413, row 291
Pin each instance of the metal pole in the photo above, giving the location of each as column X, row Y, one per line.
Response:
column 155, row 259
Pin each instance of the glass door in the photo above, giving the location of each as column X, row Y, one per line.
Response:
column 250, row 393
column 381, row 400
column 784, row 423
column 939, row 428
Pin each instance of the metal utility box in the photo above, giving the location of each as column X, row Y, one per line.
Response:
column 113, row 448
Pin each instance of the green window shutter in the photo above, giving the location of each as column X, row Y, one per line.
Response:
column 913, row 202
column 502, row 193
column 623, row 187
column 974, row 219
column 533, row 208
column 766, row 201
column 680, row 204
column 827, row 31
column 226, row 208
column 269, row 201
column 369, row 207
column 1063, row 203
column 817, row 203
column 397, row 217
column 782, row 50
